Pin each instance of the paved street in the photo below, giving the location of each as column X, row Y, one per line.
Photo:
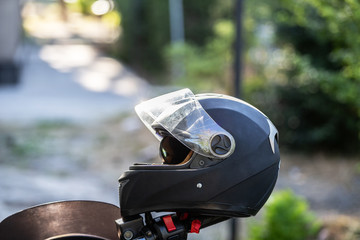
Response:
column 69, row 82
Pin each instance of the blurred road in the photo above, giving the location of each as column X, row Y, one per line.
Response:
column 69, row 82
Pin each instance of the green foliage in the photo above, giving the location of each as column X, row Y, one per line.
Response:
column 205, row 68
column 112, row 18
column 82, row 6
column 198, row 21
column 306, row 114
column 146, row 30
column 286, row 217
column 312, row 67
column 357, row 168
column 21, row 146
column 328, row 33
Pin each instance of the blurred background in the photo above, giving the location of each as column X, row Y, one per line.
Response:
column 71, row 72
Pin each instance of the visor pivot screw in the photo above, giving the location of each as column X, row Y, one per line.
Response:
column 128, row 235
column 199, row 185
column 201, row 162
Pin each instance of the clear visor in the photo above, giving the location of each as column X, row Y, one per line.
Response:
column 181, row 115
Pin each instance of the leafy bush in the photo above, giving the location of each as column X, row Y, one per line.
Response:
column 83, row 6
column 309, row 71
column 308, row 116
column 327, row 34
column 207, row 67
column 146, row 30
column 286, row 217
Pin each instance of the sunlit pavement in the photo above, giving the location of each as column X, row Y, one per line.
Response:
column 70, row 82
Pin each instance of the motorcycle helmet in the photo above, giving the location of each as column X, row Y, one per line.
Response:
column 220, row 158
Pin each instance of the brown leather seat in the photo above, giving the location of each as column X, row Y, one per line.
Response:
column 63, row 220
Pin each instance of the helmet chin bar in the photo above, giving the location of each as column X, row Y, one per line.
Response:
column 168, row 227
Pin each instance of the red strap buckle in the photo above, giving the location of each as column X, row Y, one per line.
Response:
column 169, row 224
column 195, row 226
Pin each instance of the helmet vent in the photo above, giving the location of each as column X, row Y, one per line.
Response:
column 220, row 144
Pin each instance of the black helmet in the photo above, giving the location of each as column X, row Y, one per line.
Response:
column 220, row 158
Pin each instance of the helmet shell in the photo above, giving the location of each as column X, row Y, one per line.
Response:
column 237, row 186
